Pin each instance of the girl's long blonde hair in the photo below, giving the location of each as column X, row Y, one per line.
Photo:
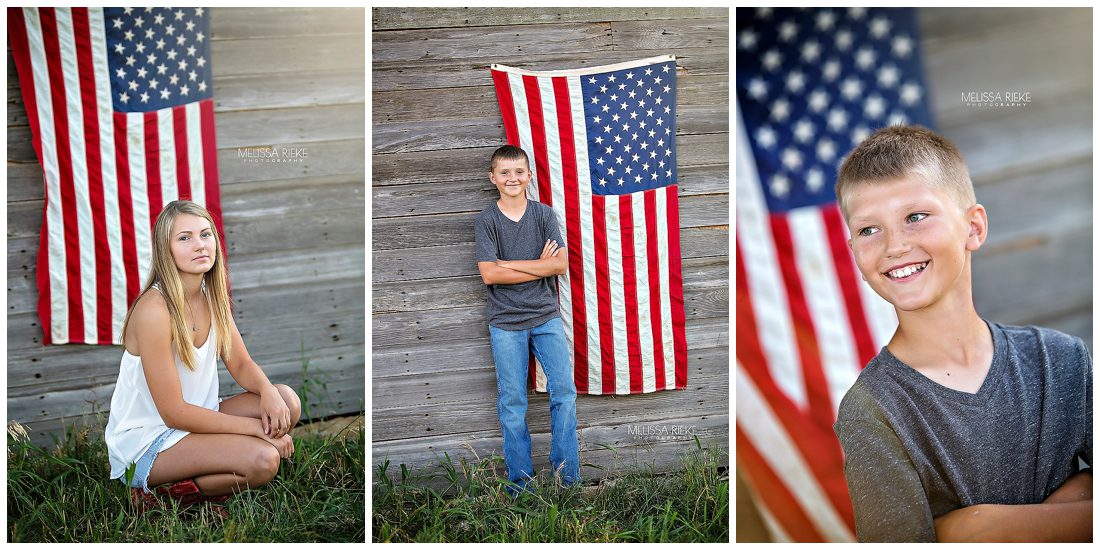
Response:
column 165, row 275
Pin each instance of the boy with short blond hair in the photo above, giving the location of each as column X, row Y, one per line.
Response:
column 518, row 256
column 959, row 429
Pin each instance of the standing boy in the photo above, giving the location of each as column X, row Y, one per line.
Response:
column 960, row 429
column 517, row 256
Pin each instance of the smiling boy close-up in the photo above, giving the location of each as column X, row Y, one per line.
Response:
column 961, row 428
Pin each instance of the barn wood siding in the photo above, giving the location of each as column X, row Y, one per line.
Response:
column 435, row 123
column 283, row 77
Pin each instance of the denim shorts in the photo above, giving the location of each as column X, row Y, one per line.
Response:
column 145, row 462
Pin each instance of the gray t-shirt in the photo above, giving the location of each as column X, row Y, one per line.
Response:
column 522, row 305
column 915, row 449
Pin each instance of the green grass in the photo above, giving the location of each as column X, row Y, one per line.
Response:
column 64, row 495
column 472, row 505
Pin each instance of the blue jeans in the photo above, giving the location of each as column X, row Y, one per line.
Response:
column 510, row 353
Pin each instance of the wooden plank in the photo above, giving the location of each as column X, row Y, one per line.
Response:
column 605, row 451
column 1015, row 57
column 705, row 395
column 403, row 359
column 415, row 264
column 481, row 101
column 447, row 73
column 1043, row 203
column 287, row 55
column 436, row 391
column 1012, row 141
column 475, row 194
column 385, row 19
column 410, row 232
column 470, row 164
column 391, row 297
column 295, row 126
column 671, row 34
column 1031, row 283
column 459, row 43
column 45, row 431
column 457, row 324
column 464, row 133
column 297, row 89
column 323, row 159
column 267, row 22
column 939, row 25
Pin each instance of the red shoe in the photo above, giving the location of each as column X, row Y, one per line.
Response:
column 142, row 501
column 185, row 492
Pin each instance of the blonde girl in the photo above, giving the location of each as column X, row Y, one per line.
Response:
column 167, row 425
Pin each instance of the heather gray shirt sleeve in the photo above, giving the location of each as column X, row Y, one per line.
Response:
column 887, row 496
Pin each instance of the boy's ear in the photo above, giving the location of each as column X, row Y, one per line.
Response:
column 978, row 224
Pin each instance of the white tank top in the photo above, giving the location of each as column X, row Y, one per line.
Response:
column 134, row 422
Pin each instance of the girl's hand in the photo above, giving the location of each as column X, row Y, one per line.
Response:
column 274, row 414
column 284, row 444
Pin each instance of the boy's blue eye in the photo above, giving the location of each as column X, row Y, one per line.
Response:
column 913, row 218
column 867, row 231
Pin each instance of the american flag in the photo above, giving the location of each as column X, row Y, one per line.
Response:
column 122, row 119
column 603, row 145
column 811, row 84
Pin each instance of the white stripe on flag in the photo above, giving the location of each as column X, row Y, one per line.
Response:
column 758, row 256
column 166, row 139
column 814, row 261
column 618, row 301
column 588, row 247
column 759, row 424
column 55, row 225
column 641, row 269
column 78, row 157
column 523, row 127
column 139, row 192
column 195, row 165
column 557, row 192
column 112, row 217
column 663, row 270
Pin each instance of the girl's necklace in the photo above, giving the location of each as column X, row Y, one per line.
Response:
column 193, row 327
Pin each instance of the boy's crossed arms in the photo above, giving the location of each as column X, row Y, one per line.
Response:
column 1065, row 516
column 552, row 261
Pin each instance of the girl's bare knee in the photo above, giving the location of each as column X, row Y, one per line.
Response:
column 263, row 465
column 292, row 401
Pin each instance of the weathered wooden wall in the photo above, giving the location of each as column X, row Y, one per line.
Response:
column 435, row 124
column 294, row 232
column 1031, row 166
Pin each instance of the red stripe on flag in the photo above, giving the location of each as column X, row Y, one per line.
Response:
column 676, row 287
column 85, row 69
column 183, row 169
column 507, row 108
column 603, row 295
column 816, row 442
column 126, row 208
column 849, row 283
column 574, row 249
column 654, row 272
column 65, row 174
column 774, row 493
column 210, row 167
column 20, row 52
column 538, row 137
column 152, row 167
column 813, row 372
column 630, row 292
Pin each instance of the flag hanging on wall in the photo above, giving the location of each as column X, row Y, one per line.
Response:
column 120, row 106
column 603, row 145
column 811, row 84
